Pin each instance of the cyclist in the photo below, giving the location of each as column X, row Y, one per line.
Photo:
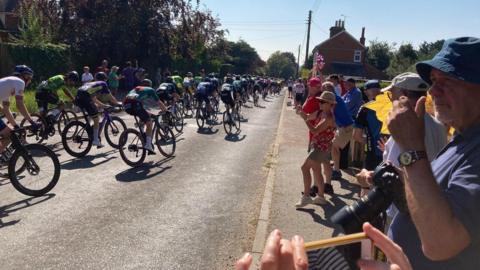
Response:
column 178, row 81
column 227, row 93
column 168, row 91
column 237, row 86
column 14, row 86
column 47, row 91
column 133, row 104
column 205, row 90
column 189, row 82
column 87, row 100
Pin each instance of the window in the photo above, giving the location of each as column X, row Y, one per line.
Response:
column 357, row 57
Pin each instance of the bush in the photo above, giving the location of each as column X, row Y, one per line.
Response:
column 46, row 60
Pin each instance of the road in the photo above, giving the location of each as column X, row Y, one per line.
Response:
column 195, row 211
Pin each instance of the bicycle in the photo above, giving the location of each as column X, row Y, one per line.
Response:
column 27, row 162
column 202, row 115
column 77, row 136
column 46, row 129
column 231, row 121
column 174, row 117
column 188, row 104
column 132, row 142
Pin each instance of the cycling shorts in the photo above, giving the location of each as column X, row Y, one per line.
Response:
column 85, row 102
column 202, row 97
column 45, row 97
column 226, row 97
column 135, row 108
column 2, row 125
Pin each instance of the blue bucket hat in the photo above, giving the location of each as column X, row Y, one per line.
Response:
column 458, row 58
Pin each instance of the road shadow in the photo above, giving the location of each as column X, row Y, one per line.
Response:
column 207, row 131
column 235, row 138
column 87, row 161
column 144, row 172
column 22, row 204
column 261, row 107
column 334, row 205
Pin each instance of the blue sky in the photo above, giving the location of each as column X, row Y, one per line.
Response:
column 270, row 25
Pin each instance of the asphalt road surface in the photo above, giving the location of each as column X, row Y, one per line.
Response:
column 197, row 210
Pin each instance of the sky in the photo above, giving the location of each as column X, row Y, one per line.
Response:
column 271, row 25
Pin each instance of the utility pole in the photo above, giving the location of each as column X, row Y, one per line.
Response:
column 298, row 60
column 308, row 35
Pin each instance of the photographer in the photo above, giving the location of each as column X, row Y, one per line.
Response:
column 443, row 228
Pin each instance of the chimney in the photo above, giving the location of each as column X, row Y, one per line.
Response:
column 343, row 25
column 337, row 28
column 362, row 38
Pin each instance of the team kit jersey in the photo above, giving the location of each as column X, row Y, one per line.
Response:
column 142, row 93
column 10, row 86
column 52, row 84
column 94, row 88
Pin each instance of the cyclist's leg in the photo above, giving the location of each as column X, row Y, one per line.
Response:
column 5, row 136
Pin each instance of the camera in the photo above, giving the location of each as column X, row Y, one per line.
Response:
column 387, row 188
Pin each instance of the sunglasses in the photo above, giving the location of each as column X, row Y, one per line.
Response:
column 324, row 102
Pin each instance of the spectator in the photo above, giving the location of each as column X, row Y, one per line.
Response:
column 318, row 114
column 128, row 75
column 343, row 134
column 139, row 76
column 341, row 82
column 353, row 98
column 282, row 254
column 86, row 76
column 103, row 68
column 442, row 230
column 113, row 80
column 336, row 82
column 299, row 90
column 367, row 130
column 372, row 89
column 290, row 87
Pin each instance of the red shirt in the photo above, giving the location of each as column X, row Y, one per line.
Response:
column 344, row 89
column 311, row 105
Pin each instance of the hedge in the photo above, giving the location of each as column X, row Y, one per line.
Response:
column 46, row 60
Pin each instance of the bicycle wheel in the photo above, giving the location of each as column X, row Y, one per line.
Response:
column 42, row 170
column 227, row 123
column 165, row 141
column 66, row 117
column 112, row 131
column 178, row 120
column 20, row 166
column 235, row 123
column 200, row 118
column 36, row 136
column 76, row 139
column 131, row 147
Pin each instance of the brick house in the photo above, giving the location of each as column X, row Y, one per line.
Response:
column 8, row 19
column 344, row 54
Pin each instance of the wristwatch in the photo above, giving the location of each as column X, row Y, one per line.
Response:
column 409, row 157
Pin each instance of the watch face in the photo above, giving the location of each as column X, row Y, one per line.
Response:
column 405, row 158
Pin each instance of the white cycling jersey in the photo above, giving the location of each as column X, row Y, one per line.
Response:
column 10, row 86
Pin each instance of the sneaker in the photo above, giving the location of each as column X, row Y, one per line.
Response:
column 336, row 175
column 149, row 148
column 303, row 201
column 97, row 143
column 320, row 200
column 328, row 189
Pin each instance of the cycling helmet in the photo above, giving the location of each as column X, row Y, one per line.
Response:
column 147, row 82
column 189, row 74
column 206, row 79
column 169, row 80
column 101, row 76
column 23, row 70
column 229, row 80
column 73, row 76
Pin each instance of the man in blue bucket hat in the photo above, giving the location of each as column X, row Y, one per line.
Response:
column 442, row 228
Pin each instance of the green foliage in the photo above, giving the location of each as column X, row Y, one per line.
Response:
column 46, row 60
column 404, row 59
column 28, row 99
column 379, row 54
column 309, row 63
column 32, row 31
column 281, row 65
column 244, row 58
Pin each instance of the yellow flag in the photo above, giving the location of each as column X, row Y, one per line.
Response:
column 382, row 106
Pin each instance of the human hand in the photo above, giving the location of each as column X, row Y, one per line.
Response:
column 381, row 143
column 397, row 259
column 406, row 124
column 279, row 254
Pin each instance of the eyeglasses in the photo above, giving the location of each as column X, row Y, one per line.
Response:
column 323, row 102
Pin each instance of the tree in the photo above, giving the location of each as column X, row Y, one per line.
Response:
column 427, row 50
column 281, row 65
column 244, row 58
column 32, row 30
column 379, row 54
column 403, row 60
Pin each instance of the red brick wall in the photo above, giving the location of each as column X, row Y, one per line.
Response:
column 340, row 49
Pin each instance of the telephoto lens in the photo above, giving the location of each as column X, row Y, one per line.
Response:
column 386, row 183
